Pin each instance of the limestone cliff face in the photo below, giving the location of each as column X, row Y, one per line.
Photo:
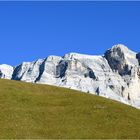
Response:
column 114, row 75
column 6, row 71
column 121, row 59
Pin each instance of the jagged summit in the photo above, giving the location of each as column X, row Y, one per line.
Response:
column 121, row 59
column 114, row 75
column 120, row 46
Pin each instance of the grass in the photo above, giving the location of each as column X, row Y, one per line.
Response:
column 41, row 111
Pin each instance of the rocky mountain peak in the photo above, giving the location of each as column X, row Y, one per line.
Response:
column 121, row 59
column 120, row 47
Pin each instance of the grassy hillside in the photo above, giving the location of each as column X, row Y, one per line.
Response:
column 40, row 111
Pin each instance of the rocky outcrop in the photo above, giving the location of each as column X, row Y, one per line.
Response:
column 115, row 75
column 138, row 57
column 6, row 71
column 27, row 71
column 121, row 59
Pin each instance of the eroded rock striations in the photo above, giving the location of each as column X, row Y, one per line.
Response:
column 115, row 75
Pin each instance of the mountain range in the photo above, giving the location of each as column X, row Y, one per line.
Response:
column 114, row 75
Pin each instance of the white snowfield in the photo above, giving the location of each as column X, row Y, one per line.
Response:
column 115, row 75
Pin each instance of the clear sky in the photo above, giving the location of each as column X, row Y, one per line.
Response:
column 32, row 30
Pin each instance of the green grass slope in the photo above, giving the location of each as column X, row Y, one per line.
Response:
column 41, row 111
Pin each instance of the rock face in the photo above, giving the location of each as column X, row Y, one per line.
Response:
column 115, row 75
column 121, row 59
column 6, row 71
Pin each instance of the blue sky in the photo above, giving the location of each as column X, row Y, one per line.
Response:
column 32, row 30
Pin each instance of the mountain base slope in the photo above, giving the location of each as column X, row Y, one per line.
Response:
column 41, row 111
